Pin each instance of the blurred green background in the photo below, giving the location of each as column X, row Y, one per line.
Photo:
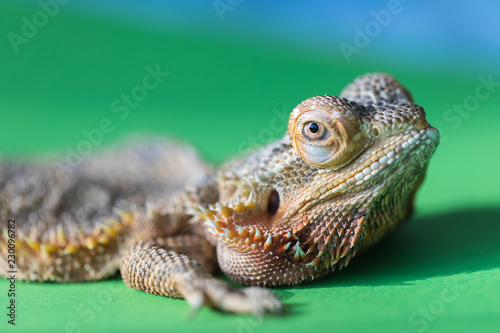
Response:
column 235, row 71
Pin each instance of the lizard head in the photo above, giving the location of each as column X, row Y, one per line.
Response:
column 344, row 174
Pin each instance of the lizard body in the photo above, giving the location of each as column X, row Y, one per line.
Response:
column 345, row 173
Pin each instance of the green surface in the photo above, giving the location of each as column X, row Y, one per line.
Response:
column 441, row 272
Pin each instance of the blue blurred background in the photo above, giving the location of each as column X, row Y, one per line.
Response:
column 424, row 35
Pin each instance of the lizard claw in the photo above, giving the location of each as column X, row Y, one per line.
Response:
column 263, row 301
column 219, row 295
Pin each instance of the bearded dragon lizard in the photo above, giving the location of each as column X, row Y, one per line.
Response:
column 344, row 175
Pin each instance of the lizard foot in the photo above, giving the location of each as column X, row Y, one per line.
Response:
column 153, row 269
column 219, row 295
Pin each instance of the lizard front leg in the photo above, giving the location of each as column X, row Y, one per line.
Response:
column 162, row 271
column 173, row 256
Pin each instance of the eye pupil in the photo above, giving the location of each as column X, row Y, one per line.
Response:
column 313, row 128
column 315, row 131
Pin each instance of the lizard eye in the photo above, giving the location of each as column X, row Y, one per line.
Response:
column 315, row 131
column 327, row 131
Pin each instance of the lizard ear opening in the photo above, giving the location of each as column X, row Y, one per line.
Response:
column 273, row 203
column 327, row 131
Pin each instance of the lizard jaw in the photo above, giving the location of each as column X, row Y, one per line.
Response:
column 251, row 253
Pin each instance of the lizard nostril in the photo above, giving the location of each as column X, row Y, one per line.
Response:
column 273, row 202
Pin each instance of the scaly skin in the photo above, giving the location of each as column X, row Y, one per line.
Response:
column 344, row 175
